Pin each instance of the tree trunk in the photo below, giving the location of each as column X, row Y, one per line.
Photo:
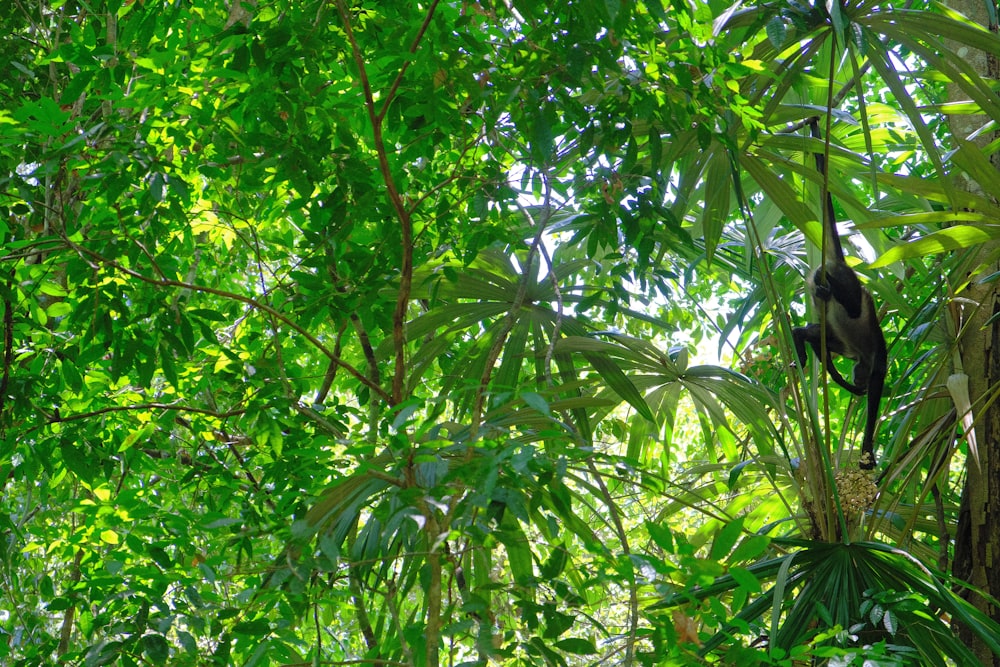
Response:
column 977, row 541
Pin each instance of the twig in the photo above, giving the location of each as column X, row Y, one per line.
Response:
column 511, row 317
column 253, row 303
column 405, row 219
column 66, row 630
column 145, row 406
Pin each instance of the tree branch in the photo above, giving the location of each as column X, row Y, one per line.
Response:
column 405, row 220
column 144, row 406
column 402, row 70
column 253, row 303
column 510, row 319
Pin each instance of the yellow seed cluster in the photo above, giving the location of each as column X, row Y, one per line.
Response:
column 856, row 488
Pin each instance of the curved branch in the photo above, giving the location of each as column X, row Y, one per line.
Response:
column 510, row 319
column 402, row 70
column 8, row 348
column 145, row 406
column 405, row 219
column 253, row 303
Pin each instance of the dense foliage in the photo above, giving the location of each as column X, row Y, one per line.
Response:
column 363, row 331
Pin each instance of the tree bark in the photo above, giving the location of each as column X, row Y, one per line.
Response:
column 977, row 540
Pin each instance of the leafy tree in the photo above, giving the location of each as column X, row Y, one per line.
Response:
column 362, row 332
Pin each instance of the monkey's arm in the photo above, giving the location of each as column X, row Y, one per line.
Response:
column 811, row 334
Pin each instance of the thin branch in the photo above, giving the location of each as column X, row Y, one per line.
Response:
column 253, row 303
column 406, row 64
column 66, row 631
column 366, row 348
column 360, row 609
column 231, row 443
column 145, row 406
column 318, row 628
column 33, row 249
column 331, row 370
column 633, row 597
column 511, row 317
column 405, row 220
column 415, row 204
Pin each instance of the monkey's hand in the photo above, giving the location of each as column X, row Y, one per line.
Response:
column 822, row 291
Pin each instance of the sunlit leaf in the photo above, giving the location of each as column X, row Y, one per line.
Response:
column 958, row 237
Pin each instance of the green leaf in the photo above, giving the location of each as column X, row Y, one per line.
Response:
column 776, row 31
column 519, row 553
column 619, row 383
column 555, row 563
column 139, row 435
column 959, row 237
column 155, row 648
column 717, row 199
column 726, row 539
column 662, row 536
column 750, row 548
column 556, row 623
column 52, row 289
column 745, row 579
column 535, row 401
column 58, row 309
column 576, row 646
column 253, row 628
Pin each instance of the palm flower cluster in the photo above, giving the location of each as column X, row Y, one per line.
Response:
column 856, row 488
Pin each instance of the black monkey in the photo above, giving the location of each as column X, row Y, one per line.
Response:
column 852, row 326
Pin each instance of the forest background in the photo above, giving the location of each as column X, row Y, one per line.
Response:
column 361, row 333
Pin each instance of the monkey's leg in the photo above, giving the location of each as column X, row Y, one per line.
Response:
column 876, row 385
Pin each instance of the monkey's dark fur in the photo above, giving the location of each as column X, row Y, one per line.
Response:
column 852, row 326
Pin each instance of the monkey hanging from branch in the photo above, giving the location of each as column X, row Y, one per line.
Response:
column 852, row 326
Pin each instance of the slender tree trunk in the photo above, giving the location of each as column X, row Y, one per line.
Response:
column 977, row 541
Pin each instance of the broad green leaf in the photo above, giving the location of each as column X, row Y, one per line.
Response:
column 155, row 648
column 576, row 645
column 745, row 579
column 726, row 539
column 959, row 237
